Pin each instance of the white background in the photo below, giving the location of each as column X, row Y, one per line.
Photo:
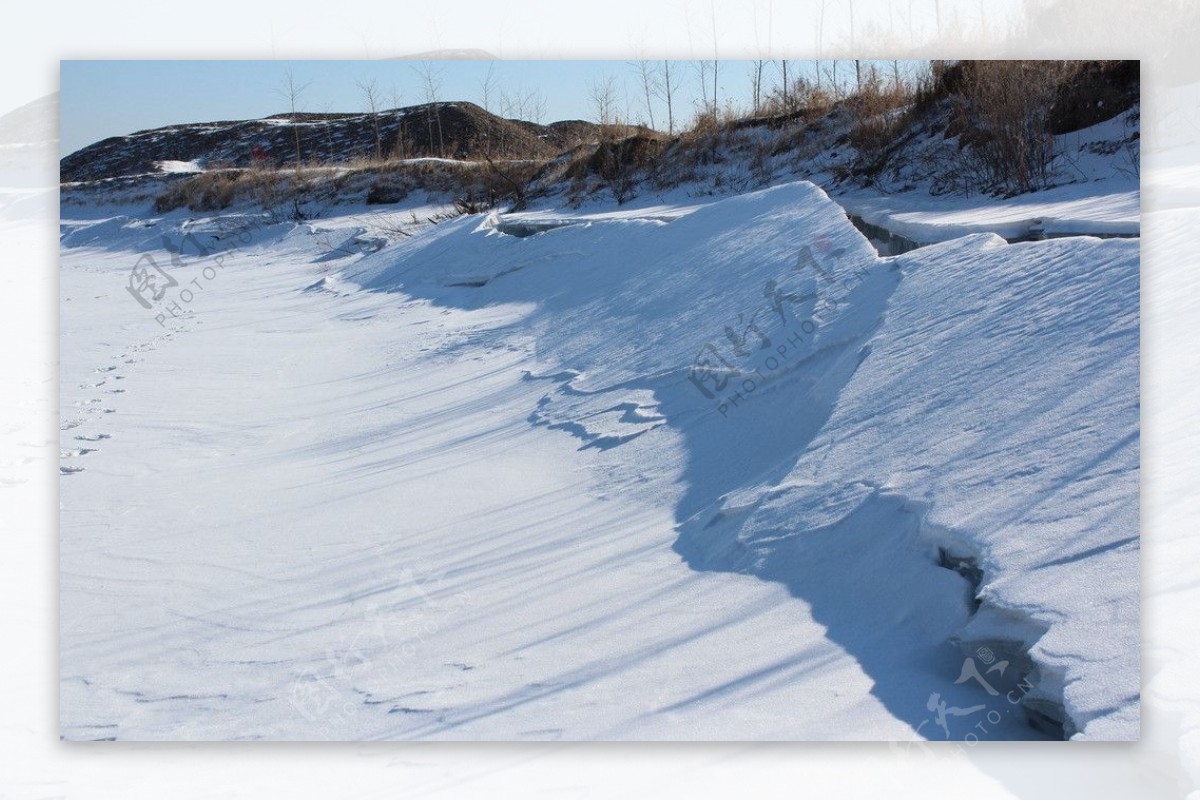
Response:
column 1165, row 763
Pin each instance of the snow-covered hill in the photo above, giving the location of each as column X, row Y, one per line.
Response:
column 708, row 470
column 463, row 129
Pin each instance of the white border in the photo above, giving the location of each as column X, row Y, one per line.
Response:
column 33, row 763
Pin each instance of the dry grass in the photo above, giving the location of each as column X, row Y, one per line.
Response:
column 219, row 189
column 876, row 121
column 1002, row 115
column 997, row 119
column 294, row 192
column 206, row 192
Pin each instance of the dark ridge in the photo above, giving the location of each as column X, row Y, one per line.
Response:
column 457, row 130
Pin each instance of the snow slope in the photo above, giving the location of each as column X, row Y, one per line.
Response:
column 1076, row 209
column 1093, row 188
column 715, row 474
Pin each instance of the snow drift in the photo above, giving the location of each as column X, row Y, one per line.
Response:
column 850, row 420
column 934, row 455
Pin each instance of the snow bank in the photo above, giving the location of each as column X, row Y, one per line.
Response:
column 1068, row 210
column 173, row 166
column 879, row 435
column 712, row 471
column 999, row 406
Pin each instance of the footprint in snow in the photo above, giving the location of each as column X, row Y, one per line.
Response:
column 92, row 437
column 67, row 470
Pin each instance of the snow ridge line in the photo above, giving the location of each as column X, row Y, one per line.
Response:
column 750, row 530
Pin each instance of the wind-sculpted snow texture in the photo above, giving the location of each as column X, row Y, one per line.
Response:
column 724, row 473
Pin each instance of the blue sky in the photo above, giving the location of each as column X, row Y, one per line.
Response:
column 109, row 98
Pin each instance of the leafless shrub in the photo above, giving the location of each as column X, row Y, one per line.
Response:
column 801, row 100
column 263, row 186
column 618, row 164
column 210, row 191
column 1001, row 114
column 876, row 121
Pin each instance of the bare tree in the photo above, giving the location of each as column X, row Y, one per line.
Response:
column 510, row 105
column 370, row 92
column 524, row 105
column 487, row 87
column 293, row 91
column 783, row 85
column 327, row 110
column 487, row 93
column 431, row 85
column 669, row 87
column 756, row 79
column 702, row 78
column 510, row 109
column 399, row 147
column 603, row 96
column 535, row 101
column 649, row 81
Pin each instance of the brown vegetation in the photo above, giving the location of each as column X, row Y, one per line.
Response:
column 998, row 120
